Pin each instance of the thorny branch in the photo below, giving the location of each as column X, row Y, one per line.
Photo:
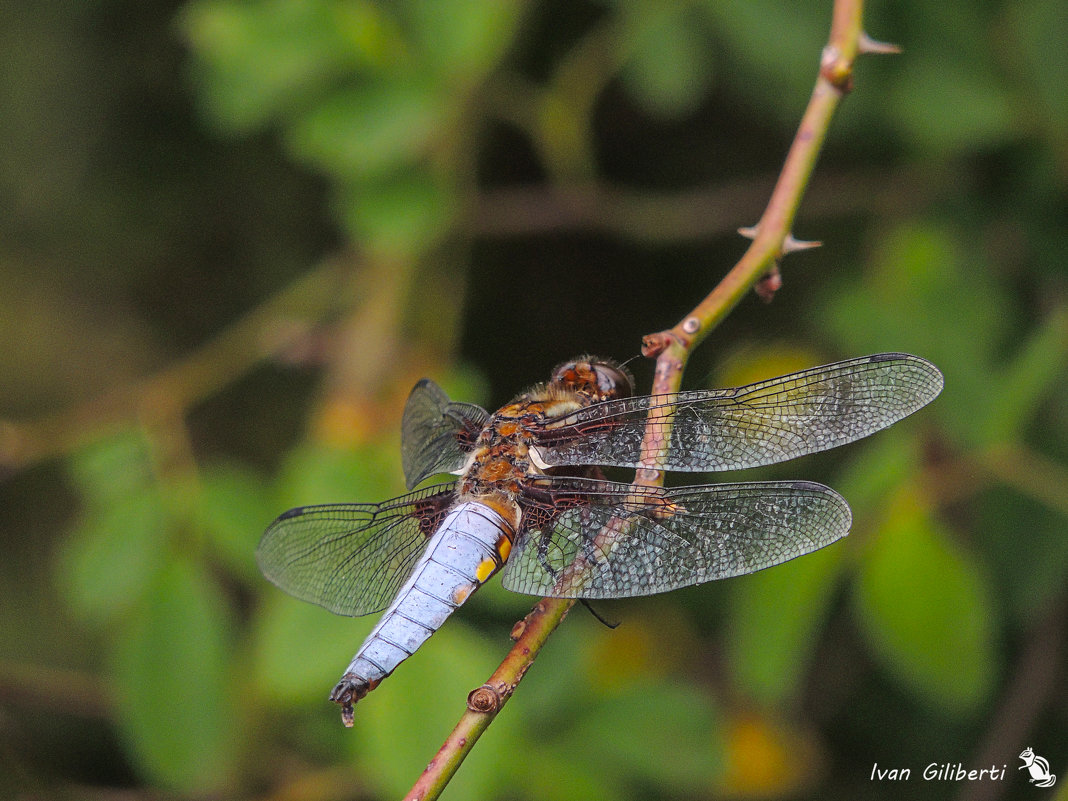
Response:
column 267, row 332
column 772, row 239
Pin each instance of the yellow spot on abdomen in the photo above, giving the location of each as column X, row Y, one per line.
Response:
column 462, row 593
column 485, row 569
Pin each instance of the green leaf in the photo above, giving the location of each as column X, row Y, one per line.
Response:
column 950, row 104
column 1030, row 577
column 460, row 41
column 987, row 399
column 772, row 66
column 1039, row 28
column 112, row 468
column 300, row 650
column 564, row 773
column 902, row 300
column 110, row 558
column 775, row 622
column 398, row 217
column 876, row 468
column 653, row 734
column 235, row 505
column 1013, row 398
column 171, row 669
column 372, row 32
column 317, row 473
column 927, row 611
column 669, row 68
column 369, row 130
column 261, row 60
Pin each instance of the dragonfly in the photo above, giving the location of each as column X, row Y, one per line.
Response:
column 530, row 501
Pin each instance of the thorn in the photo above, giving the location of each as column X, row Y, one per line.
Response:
column 750, row 232
column 791, row 245
column 868, row 45
column 767, row 286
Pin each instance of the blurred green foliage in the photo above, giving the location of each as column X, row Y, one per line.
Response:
column 938, row 637
column 453, row 174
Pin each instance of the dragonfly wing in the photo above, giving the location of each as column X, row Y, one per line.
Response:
column 351, row 557
column 762, row 423
column 606, row 540
column 436, row 433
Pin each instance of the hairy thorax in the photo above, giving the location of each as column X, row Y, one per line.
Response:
column 504, row 454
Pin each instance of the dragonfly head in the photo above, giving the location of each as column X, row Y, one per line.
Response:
column 599, row 379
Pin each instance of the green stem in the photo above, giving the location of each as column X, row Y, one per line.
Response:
column 483, row 704
column 771, row 235
column 672, row 348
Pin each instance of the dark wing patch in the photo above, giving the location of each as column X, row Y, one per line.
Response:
column 599, row 539
column 762, row 423
column 351, row 558
column 436, row 433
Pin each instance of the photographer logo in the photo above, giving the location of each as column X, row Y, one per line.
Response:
column 1038, row 767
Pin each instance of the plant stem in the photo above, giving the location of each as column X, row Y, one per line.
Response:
column 772, row 233
column 483, row 704
column 267, row 330
column 771, row 240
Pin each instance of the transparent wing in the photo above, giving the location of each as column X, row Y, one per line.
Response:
column 351, row 558
column 762, row 423
column 599, row 539
column 436, row 433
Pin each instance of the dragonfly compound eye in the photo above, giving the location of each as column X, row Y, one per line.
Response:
column 597, row 378
column 613, row 381
column 568, row 373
